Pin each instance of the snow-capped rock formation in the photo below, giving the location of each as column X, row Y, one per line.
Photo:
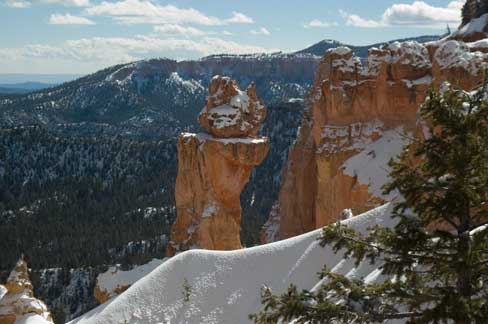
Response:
column 17, row 301
column 230, row 112
column 224, row 286
column 360, row 115
column 213, row 169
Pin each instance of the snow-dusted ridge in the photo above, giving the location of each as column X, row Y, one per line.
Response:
column 225, row 285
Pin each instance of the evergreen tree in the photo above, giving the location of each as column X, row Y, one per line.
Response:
column 186, row 290
column 448, row 30
column 473, row 9
column 483, row 7
column 469, row 11
column 437, row 255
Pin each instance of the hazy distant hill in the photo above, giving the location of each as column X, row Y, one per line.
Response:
column 24, row 87
column 12, row 78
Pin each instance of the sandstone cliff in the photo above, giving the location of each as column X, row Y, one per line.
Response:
column 360, row 114
column 17, row 301
column 214, row 168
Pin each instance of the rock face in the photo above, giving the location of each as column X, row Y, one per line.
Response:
column 360, row 114
column 214, row 168
column 17, row 301
column 230, row 112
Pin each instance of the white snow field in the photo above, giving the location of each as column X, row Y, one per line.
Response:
column 225, row 285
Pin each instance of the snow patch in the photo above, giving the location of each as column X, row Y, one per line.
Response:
column 341, row 50
column 202, row 137
column 209, row 210
column 31, row 319
column 370, row 166
column 477, row 25
column 115, row 278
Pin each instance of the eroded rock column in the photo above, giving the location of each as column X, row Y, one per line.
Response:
column 17, row 301
column 214, row 167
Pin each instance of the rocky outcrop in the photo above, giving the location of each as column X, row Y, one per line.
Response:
column 230, row 112
column 17, row 301
column 214, row 168
column 360, row 114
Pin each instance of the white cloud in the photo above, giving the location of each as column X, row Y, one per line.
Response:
column 20, row 4
column 97, row 52
column 315, row 23
column 67, row 19
column 260, row 31
column 147, row 12
column 68, row 3
column 420, row 13
column 29, row 3
column 172, row 29
column 227, row 33
column 417, row 14
column 355, row 20
column 239, row 18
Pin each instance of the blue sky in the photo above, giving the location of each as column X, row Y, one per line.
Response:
column 82, row 36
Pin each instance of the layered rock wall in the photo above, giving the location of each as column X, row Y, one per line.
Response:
column 360, row 114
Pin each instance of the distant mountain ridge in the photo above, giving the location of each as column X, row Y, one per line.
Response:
column 11, row 78
column 24, row 87
column 321, row 47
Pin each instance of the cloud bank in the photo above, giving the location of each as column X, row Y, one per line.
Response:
column 416, row 14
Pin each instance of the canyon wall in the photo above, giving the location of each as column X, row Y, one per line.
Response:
column 360, row 114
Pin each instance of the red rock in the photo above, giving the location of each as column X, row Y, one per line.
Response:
column 17, row 298
column 230, row 112
column 212, row 173
column 354, row 105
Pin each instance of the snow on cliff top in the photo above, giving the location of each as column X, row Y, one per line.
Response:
column 453, row 54
column 225, row 286
column 202, row 137
column 31, row 319
column 114, row 278
column 477, row 25
column 370, row 165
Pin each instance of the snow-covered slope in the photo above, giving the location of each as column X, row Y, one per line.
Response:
column 113, row 281
column 225, row 287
